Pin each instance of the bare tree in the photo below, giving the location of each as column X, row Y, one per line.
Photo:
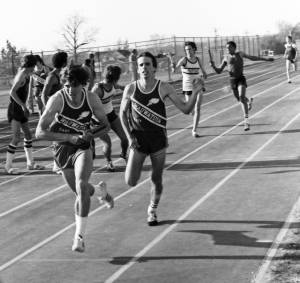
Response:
column 75, row 36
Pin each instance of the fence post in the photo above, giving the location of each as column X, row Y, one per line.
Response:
column 175, row 47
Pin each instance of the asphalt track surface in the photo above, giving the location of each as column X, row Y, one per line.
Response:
column 226, row 202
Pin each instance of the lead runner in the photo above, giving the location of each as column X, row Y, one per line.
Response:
column 66, row 120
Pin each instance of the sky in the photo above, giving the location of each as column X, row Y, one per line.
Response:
column 37, row 25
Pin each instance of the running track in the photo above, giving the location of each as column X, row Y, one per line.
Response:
column 226, row 202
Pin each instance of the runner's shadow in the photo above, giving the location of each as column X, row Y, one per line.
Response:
column 211, row 166
column 122, row 260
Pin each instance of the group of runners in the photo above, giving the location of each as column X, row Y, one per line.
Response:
column 73, row 113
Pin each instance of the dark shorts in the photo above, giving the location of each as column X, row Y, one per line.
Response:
column 112, row 116
column 66, row 155
column 37, row 92
column 235, row 82
column 151, row 142
column 15, row 112
column 189, row 92
column 292, row 60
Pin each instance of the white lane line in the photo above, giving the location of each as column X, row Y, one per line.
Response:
column 163, row 234
column 259, row 277
column 60, row 232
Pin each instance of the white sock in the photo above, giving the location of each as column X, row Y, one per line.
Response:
column 28, row 153
column 9, row 160
column 101, row 189
column 246, row 120
column 81, row 223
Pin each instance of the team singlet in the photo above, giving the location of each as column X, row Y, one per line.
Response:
column 72, row 119
column 107, row 98
column 148, row 109
column 190, row 71
column 22, row 92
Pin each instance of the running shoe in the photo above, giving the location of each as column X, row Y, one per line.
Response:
column 250, row 104
column 78, row 244
column 195, row 134
column 124, row 156
column 105, row 197
column 35, row 166
column 152, row 217
column 246, row 127
column 110, row 167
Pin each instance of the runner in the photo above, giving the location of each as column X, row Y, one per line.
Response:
column 37, row 82
column 18, row 114
column 234, row 61
column 106, row 90
column 290, row 54
column 66, row 120
column 190, row 67
column 53, row 83
column 143, row 116
column 132, row 64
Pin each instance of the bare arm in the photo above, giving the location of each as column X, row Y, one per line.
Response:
column 117, row 86
column 219, row 69
column 97, row 90
column 186, row 107
column 255, row 58
column 202, row 69
column 18, row 82
column 124, row 111
column 180, row 63
column 50, row 81
column 99, row 113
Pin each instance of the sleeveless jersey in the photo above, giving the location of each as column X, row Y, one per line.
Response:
column 56, row 87
column 107, row 98
column 39, row 79
column 235, row 64
column 291, row 51
column 148, row 111
column 190, row 71
column 72, row 119
column 22, row 92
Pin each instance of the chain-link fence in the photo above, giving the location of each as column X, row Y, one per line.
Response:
column 161, row 48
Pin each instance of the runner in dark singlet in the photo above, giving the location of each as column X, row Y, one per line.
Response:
column 53, row 82
column 66, row 121
column 290, row 55
column 18, row 114
column 235, row 63
column 143, row 116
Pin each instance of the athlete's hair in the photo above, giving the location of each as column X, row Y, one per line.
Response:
column 76, row 75
column 149, row 55
column 39, row 59
column 60, row 59
column 29, row 61
column 231, row 43
column 290, row 37
column 112, row 73
column 192, row 44
column 87, row 62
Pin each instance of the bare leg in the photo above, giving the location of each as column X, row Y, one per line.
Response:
column 197, row 114
column 158, row 162
column 134, row 167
